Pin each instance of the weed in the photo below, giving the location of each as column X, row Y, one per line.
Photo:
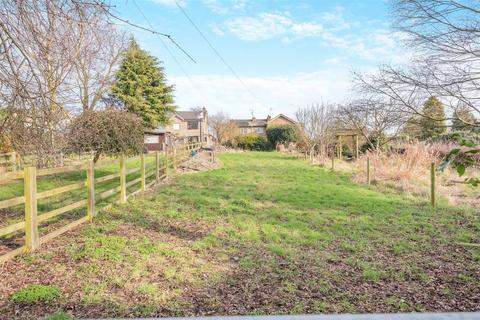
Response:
column 59, row 315
column 371, row 273
column 148, row 289
column 36, row 293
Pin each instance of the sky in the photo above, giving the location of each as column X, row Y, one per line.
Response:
column 284, row 54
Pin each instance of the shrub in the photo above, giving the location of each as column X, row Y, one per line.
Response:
column 253, row 142
column 454, row 136
column 373, row 142
column 281, row 134
column 106, row 132
column 36, row 293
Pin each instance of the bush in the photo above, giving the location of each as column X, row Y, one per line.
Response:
column 374, row 140
column 455, row 136
column 281, row 134
column 107, row 132
column 36, row 293
column 253, row 142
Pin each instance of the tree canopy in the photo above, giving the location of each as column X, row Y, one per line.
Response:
column 106, row 132
column 281, row 134
column 141, row 87
column 433, row 122
column 463, row 119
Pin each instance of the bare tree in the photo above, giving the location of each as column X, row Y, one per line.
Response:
column 445, row 36
column 40, row 41
column 378, row 121
column 54, row 57
column 100, row 55
column 223, row 127
column 316, row 127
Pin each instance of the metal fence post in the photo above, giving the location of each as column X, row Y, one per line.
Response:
column 90, row 184
column 32, row 240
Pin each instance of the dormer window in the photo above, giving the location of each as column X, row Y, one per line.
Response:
column 176, row 126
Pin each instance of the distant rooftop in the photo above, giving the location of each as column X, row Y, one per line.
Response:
column 250, row 122
column 190, row 115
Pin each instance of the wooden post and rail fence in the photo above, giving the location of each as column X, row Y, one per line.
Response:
column 9, row 162
column 369, row 173
column 32, row 219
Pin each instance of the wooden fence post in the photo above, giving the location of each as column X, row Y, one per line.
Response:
column 123, row 181
column 90, row 184
column 166, row 162
column 368, row 170
column 142, row 171
column 340, row 147
column 32, row 240
column 333, row 162
column 432, row 184
column 356, row 146
column 157, row 166
column 174, row 155
column 14, row 161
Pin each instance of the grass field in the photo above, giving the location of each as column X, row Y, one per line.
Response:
column 15, row 188
column 265, row 234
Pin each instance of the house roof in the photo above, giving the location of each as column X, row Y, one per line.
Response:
column 157, row 130
column 190, row 115
column 260, row 122
column 281, row 115
column 250, row 122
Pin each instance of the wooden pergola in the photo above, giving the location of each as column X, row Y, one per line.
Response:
column 348, row 133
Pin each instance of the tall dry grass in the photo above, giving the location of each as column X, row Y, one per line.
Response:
column 406, row 169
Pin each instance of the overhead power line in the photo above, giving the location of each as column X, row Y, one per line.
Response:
column 216, row 51
column 163, row 43
column 168, row 50
column 169, row 37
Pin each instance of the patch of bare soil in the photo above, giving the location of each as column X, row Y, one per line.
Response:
column 275, row 285
column 204, row 160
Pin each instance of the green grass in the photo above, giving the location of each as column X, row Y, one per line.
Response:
column 265, row 233
column 15, row 189
column 36, row 293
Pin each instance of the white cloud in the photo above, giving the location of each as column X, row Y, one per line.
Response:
column 222, row 8
column 171, row 3
column 280, row 93
column 374, row 45
column 266, row 26
column 332, row 29
column 335, row 20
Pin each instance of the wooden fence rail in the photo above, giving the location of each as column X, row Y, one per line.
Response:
column 30, row 224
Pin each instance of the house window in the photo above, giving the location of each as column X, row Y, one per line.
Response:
column 260, row 130
column 192, row 125
column 243, row 130
column 176, row 126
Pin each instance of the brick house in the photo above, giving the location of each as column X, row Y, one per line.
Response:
column 184, row 126
column 259, row 126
